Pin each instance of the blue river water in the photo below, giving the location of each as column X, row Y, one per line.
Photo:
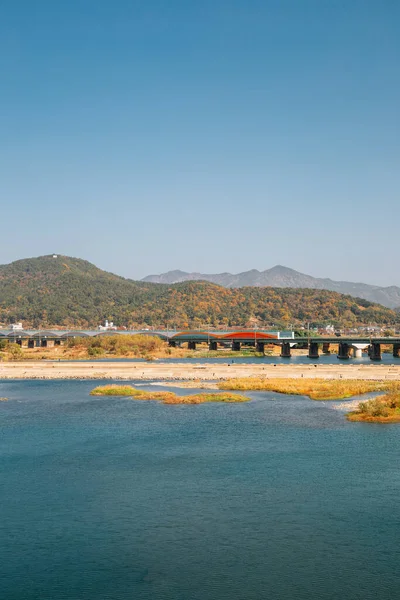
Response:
column 296, row 359
column 113, row 499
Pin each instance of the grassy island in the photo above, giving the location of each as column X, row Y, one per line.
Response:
column 166, row 397
column 316, row 389
column 383, row 409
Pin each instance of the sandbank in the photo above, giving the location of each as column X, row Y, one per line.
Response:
column 182, row 371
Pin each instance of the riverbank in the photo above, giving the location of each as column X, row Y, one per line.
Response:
column 182, row 371
column 128, row 346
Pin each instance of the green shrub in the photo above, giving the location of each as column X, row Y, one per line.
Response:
column 14, row 350
column 374, row 408
column 95, row 351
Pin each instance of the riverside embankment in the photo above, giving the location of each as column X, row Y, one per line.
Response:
column 188, row 372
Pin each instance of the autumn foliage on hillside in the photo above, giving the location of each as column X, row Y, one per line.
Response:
column 69, row 292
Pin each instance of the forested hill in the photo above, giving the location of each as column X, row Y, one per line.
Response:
column 69, row 292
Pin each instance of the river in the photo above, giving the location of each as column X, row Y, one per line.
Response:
column 296, row 359
column 113, row 499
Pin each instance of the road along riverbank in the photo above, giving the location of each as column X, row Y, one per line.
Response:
column 191, row 372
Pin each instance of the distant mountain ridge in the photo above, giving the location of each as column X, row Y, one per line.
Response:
column 283, row 277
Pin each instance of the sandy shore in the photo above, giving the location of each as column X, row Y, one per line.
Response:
column 189, row 372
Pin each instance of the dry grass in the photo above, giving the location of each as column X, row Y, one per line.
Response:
column 384, row 409
column 113, row 390
column 146, row 347
column 202, row 398
column 81, row 352
column 131, row 392
column 316, row 389
column 165, row 397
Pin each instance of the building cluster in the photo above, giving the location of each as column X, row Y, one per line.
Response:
column 108, row 326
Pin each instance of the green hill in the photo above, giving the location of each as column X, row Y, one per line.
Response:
column 70, row 292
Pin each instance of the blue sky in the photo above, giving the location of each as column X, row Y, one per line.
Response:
column 208, row 136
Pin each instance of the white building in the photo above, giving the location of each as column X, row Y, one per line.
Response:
column 107, row 326
column 16, row 327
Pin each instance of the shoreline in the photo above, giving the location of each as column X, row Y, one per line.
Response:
column 192, row 372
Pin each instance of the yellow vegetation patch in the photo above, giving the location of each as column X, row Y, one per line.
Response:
column 165, row 397
column 357, row 417
column 202, row 398
column 384, row 409
column 316, row 389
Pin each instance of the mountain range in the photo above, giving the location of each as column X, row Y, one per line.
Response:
column 283, row 277
column 58, row 290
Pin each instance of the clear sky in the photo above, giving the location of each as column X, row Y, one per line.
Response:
column 207, row 135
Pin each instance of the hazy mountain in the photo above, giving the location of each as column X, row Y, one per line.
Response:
column 58, row 290
column 284, row 277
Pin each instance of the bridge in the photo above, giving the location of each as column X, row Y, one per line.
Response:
column 346, row 345
column 214, row 339
column 259, row 339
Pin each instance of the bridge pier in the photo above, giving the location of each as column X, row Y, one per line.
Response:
column 326, row 348
column 236, row 346
column 396, row 350
column 357, row 352
column 285, row 350
column 375, row 351
column 191, row 345
column 260, row 347
column 213, row 345
column 313, row 350
column 344, row 350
